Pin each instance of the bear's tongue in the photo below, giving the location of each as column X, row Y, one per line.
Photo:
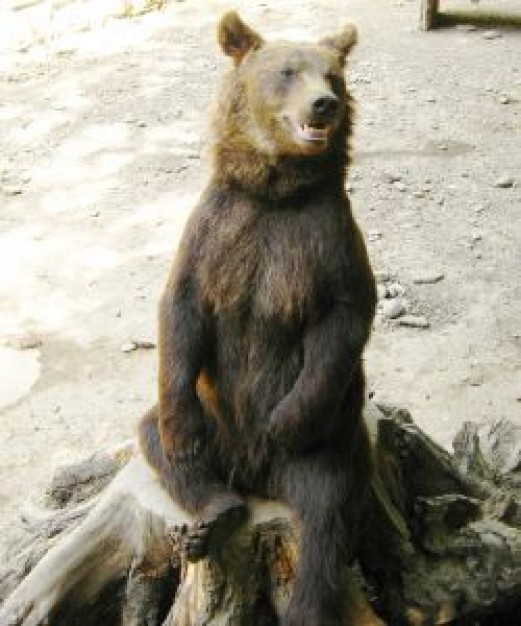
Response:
column 311, row 133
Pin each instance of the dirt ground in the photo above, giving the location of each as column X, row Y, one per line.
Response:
column 102, row 125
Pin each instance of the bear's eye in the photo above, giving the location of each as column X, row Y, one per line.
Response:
column 287, row 72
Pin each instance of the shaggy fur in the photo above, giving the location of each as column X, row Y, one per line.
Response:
column 266, row 313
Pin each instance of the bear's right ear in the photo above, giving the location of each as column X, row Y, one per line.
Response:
column 236, row 38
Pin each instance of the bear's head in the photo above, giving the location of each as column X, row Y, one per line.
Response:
column 283, row 99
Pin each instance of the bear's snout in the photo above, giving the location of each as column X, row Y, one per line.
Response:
column 325, row 108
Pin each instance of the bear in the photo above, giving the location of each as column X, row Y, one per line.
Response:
column 265, row 316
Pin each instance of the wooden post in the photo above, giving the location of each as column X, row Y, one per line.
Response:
column 428, row 11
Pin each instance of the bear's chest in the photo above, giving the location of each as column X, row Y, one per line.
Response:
column 275, row 266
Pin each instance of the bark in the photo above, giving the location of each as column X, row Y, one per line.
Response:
column 441, row 543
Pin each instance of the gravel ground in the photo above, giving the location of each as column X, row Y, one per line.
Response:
column 102, row 123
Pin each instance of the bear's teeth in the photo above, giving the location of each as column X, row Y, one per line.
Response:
column 312, row 133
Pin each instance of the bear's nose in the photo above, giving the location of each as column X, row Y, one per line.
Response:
column 325, row 106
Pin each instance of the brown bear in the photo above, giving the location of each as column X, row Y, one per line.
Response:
column 265, row 316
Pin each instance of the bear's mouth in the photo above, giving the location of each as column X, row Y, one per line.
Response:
column 315, row 134
column 310, row 138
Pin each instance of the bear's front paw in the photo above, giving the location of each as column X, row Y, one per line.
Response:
column 284, row 422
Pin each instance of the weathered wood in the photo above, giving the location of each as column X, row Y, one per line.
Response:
column 441, row 542
column 428, row 12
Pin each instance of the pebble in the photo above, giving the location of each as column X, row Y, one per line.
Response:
column 504, row 182
column 504, row 100
column 12, row 190
column 400, row 186
column 393, row 308
column 393, row 178
column 381, row 291
column 382, row 276
column 492, row 34
column 467, row 28
column 414, row 321
column 24, row 342
column 394, row 290
column 418, row 194
column 143, row 344
column 428, row 278
column 137, row 344
column 374, row 235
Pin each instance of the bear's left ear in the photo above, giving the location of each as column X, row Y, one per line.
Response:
column 342, row 43
column 236, row 38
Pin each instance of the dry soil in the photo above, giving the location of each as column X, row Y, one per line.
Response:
column 103, row 124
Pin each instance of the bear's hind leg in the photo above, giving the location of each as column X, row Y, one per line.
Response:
column 318, row 488
column 194, row 485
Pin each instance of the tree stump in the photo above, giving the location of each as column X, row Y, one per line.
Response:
column 441, row 543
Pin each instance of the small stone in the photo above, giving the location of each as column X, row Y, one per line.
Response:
column 393, row 308
column 381, row 291
column 23, row 342
column 492, row 34
column 414, row 321
column 382, row 276
column 395, row 290
column 143, row 344
column 141, row 124
column 428, row 278
column 431, row 99
column 504, row 182
column 399, row 186
column 12, row 190
column 393, row 178
column 95, row 214
column 128, row 346
column 504, row 100
column 374, row 235
column 466, row 28
column 418, row 194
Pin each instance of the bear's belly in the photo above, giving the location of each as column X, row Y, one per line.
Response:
column 256, row 365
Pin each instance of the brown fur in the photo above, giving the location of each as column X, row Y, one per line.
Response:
column 265, row 316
